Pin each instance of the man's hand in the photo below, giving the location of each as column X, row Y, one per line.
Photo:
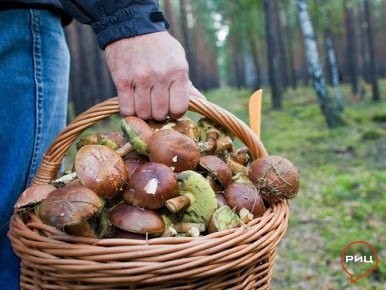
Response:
column 150, row 73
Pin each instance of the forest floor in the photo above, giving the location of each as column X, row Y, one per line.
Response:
column 343, row 184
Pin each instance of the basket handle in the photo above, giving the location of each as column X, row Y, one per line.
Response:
column 52, row 159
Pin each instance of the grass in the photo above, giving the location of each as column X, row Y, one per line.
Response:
column 343, row 184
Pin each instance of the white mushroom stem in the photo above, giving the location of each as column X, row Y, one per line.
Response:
column 237, row 167
column 245, row 215
column 65, row 179
column 190, row 229
column 124, row 149
column 178, row 203
column 224, row 144
column 169, row 232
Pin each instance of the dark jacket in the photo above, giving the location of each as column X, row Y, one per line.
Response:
column 110, row 20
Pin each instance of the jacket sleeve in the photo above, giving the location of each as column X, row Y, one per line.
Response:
column 114, row 20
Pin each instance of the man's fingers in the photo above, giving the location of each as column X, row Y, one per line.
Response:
column 179, row 98
column 142, row 102
column 159, row 102
column 126, row 101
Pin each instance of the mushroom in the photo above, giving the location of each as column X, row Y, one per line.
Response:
column 202, row 199
column 183, row 125
column 237, row 167
column 209, row 146
column 242, row 156
column 223, row 218
column 223, row 145
column 151, row 185
column 114, row 140
column 137, row 220
column 70, row 207
column 120, row 234
column 275, row 177
column 174, row 149
column 133, row 160
column 33, row 194
column 242, row 195
column 190, row 229
column 217, row 169
column 101, row 169
column 205, row 125
column 178, row 203
column 220, row 200
column 138, row 133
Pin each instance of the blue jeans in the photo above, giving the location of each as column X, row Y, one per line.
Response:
column 34, row 75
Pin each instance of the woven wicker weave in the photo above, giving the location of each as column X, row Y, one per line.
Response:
column 240, row 258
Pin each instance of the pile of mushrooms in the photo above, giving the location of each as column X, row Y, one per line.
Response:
column 152, row 179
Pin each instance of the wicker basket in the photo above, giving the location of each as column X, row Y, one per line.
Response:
column 240, row 258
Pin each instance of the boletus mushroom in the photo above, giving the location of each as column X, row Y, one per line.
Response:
column 33, row 194
column 133, row 160
column 173, row 149
column 217, row 169
column 275, row 177
column 242, row 195
column 101, row 169
column 137, row 220
column 138, row 133
column 183, row 125
column 114, row 140
column 223, row 218
column 151, row 185
column 70, row 207
column 202, row 199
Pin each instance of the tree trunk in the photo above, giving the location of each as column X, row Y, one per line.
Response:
column 273, row 55
column 205, row 55
column 332, row 64
column 370, row 41
column 329, row 111
column 280, row 44
column 351, row 49
column 290, row 50
column 187, row 42
column 169, row 14
column 256, row 63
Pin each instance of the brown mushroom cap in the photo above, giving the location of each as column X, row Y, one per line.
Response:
column 120, row 234
column 101, row 169
column 217, row 168
column 242, row 195
column 151, row 185
column 137, row 220
column 34, row 194
column 275, row 177
column 69, row 205
column 183, row 125
column 174, row 149
column 133, row 160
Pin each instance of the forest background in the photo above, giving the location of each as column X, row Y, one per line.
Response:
column 322, row 66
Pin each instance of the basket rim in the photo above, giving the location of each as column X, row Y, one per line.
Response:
column 52, row 159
